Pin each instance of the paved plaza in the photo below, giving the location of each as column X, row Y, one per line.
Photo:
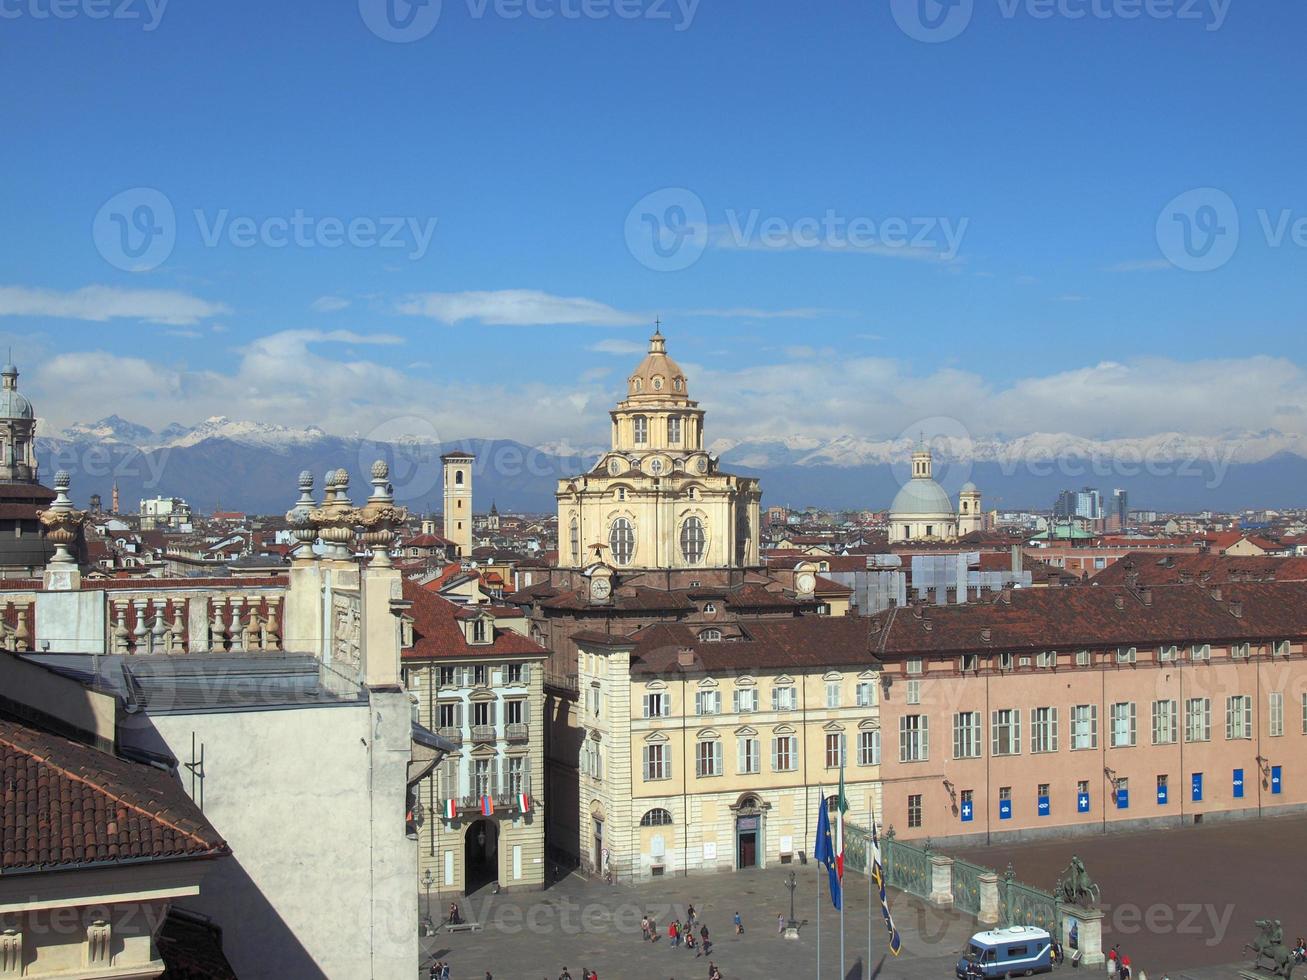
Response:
column 1180, row 902
column 578, row 923
column 1184, row 899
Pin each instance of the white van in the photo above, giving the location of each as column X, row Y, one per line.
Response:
column 1014, row 951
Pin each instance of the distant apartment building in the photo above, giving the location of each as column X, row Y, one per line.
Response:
column 1083, row 709
column 161, row 512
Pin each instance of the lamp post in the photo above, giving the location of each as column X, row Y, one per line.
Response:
column 428, row 927
column 792, row 927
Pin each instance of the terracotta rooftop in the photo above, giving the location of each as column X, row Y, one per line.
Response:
column 783, row 644
column 1204, row 568
column 68, row 805
column 437, row 632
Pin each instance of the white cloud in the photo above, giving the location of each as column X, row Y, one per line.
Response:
column 517, row 308
column 614, row 346
column 100, row 303
column 328, row 304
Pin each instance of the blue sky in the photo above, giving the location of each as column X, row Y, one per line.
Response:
column 1047, row 145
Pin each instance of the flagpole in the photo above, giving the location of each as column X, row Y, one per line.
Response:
column 821, row 794
column 843, row 845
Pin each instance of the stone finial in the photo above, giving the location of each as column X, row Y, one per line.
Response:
column 380, row 517
column 300, row 518
column 63, row 524
column 62, row 481
column 336, row 518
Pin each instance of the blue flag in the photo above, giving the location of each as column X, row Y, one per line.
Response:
column 824, row 852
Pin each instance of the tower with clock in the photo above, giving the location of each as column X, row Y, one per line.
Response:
column 657, row 499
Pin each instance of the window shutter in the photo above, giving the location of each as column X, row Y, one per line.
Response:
column 1052, row 720
column 775, row 746
column 735, row 701
column 925, row 737
column 1133, row 726
column 1016, row 732
column 458, row 715
column 647, row 709
column 666, row 702
column 993, row 734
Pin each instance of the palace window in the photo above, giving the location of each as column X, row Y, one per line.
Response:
column 450, row 715
column 1238, row 717
column 914, row 810
column 869, row 748
column 966, row 735
column 575, row 539
column 673, row 429
column 1198, row 720
column 708, row 758
column 748, row 752
column 1123, row 724
column 914, row 738
column 657, row 762
column 518, row 771
column 708, row 702
column 1125, row 655
column 641, row 426
column 866, row 694
column 621, row 541
column 692, row 540
column 657, row 817
column 1240, row 651
column 1275, row 723
column 712, row 635
column 914, row 692
column 783, row 753
column 1200, row 651
column 1043, row 729
column 1084, row 726
column 515, row 711
column 833, row 694
column 1166, row 653
column 1164, row 722
column 657, row 705
column 833, row 747
column 746, row 699
column 1006, row 724
column 481, row 777
column 782, row 699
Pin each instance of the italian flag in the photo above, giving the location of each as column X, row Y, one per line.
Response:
column 524, row 802
column 841, row 808
column 451, row 810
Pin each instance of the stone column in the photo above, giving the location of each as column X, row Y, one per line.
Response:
column 941, row 881
column 988, row 898
column 1089, row 933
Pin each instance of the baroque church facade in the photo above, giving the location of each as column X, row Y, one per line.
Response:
column 656, row 499
column 922, row 510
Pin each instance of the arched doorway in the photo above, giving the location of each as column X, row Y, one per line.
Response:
column 750, row 832
column 480, row 856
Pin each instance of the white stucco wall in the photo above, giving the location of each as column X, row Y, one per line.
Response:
column 311, row 801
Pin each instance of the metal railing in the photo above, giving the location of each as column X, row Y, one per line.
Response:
column 517, row 731
column 454, row 735
column 483, row 733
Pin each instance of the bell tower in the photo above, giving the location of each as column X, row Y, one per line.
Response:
column 458, row 500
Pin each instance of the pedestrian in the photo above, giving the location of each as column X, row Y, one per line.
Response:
column 1113, row 964
column 707, row 943
column 444, row 970
column 488, row 976
column 564, row 975
column 689, row 916
column 780, row 923
column 739, row 925
column 713, row 972
column 1125, row 967
column 672, row 933
column 644, row 928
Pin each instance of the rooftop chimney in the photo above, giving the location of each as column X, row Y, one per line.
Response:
column 685, row 657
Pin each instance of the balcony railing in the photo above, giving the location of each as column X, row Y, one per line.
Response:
column 454, row 735
column 483, row 733
column 517, row 731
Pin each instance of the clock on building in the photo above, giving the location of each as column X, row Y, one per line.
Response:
column 601, row 584
column 805, row 583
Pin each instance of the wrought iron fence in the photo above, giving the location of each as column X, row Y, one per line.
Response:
column 1023, row 905
column 857, row 844
column 966, row 886
column 907, row 867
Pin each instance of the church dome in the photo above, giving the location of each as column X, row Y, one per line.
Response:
column 920, row 496
column 12, row 404
column 970, row 487
column 657, row 375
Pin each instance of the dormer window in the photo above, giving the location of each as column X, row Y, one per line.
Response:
column 480, row 631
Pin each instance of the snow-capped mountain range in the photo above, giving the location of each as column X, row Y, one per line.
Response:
column 253, row 465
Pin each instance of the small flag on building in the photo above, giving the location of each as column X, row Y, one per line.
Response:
column 524, row 802
column 878, row 876
column 487, row 806
column 451, row 810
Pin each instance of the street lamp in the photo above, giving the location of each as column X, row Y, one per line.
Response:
column 428, row 927
column 792, row 927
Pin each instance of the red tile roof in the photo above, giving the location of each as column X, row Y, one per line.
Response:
column 66, row 804
column 1142, row 568
column 438, row 634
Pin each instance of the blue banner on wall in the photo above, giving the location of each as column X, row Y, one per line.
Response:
column 1005, row 809
column 1162, row 794
column 1082, row 803
column 1276, row 782
column 1197, row 794
column 1238, row 784
column 968, row 811
column 1123, row 799
column 1044, row 807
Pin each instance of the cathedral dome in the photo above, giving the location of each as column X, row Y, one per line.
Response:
column 921, row 496
column 657, row 375
column 12, row 404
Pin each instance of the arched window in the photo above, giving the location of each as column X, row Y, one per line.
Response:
column 576, row 540
column 710, row 635
column 458, row 477
column 692, row 540
column 657, row 817
column 673, row 429
column 621, row 541
column 641, row 426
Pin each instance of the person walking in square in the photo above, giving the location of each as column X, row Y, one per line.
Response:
column 739, row 925
column 644, row 928
column 706, row 942
column 673, row 933
column 780, row 923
